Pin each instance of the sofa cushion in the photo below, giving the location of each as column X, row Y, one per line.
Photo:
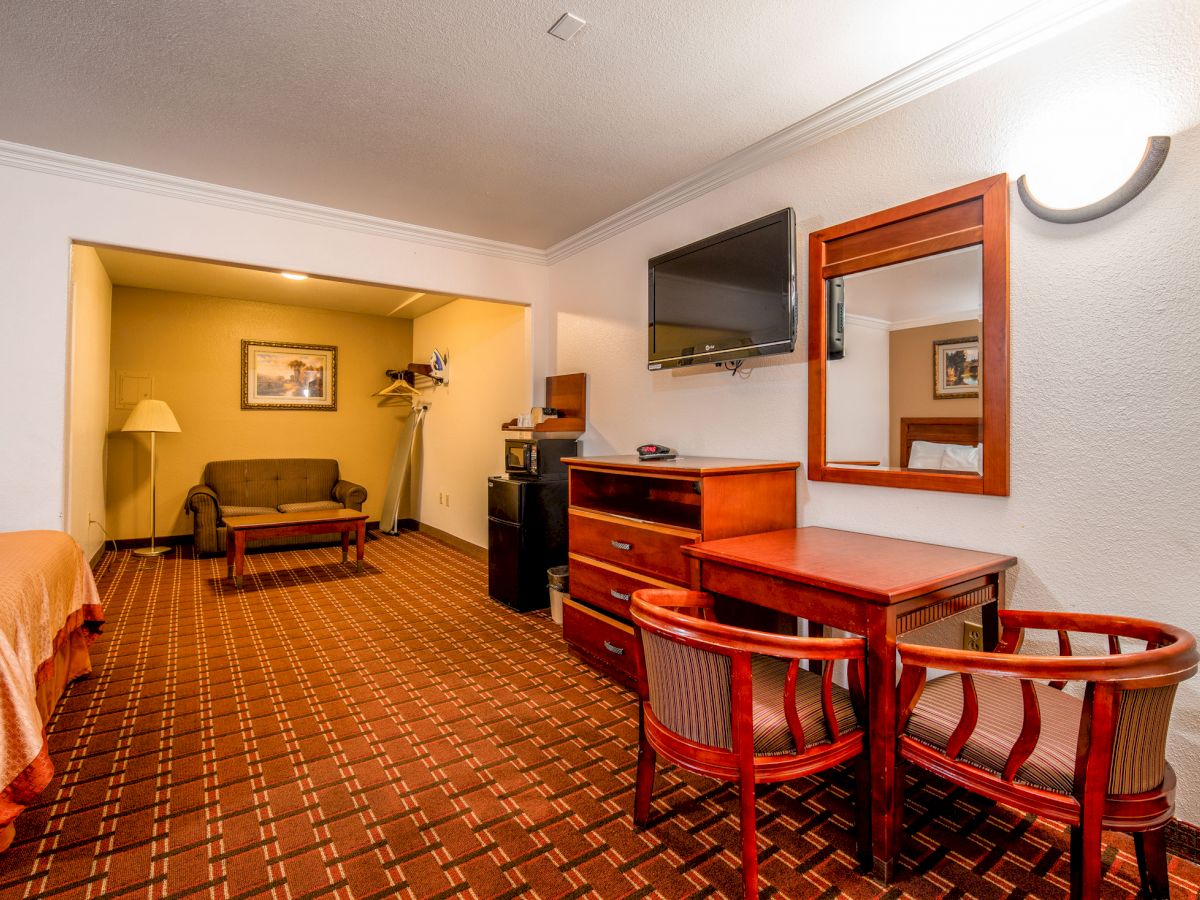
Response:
column 270, row 482
column 227, row 511
column 310, row 506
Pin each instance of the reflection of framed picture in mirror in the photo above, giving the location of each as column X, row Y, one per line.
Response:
column 288, row 376
column 956, row 368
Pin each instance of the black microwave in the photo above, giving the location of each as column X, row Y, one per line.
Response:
column 537, row 458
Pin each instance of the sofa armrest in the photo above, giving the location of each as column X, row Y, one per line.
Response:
column 349, row 494
column 202, row 502
column 202, row 498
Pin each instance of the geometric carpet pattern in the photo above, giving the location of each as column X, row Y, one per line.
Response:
column 319, row 733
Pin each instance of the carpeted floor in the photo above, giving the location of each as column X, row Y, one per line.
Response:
column 397, row 733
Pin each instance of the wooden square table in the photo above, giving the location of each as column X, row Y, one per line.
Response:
column 239, row 529
column 874, row 586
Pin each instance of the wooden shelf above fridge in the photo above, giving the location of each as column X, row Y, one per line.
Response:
column 567, row 394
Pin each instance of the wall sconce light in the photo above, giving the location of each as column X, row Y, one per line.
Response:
column 1152, row 161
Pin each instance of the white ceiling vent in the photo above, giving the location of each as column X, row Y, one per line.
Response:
column 567, row 26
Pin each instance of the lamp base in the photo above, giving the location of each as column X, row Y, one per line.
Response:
column 152, row 552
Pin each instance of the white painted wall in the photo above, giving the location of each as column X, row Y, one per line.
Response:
column 1105, row 506
column 43, row 212
column 461, row 442
column 88, row 399
column 857, row 388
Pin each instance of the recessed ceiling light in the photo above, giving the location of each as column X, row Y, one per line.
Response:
column 567, row 26
column 294, row 276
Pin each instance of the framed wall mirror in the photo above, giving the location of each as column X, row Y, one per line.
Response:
column 908, row 345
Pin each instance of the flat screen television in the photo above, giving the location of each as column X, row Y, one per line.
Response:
column 728, row 297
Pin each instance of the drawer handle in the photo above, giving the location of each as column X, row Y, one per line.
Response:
column 614, row 649
column 621, row 545
column 617, row 595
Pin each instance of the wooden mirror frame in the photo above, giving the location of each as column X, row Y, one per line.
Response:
column 974, row 214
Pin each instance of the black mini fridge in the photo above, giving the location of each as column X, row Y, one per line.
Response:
column 527, row 534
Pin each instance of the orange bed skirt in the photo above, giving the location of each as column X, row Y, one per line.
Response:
column 70, row 660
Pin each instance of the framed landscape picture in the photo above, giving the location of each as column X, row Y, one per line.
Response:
column 956, row 368
column 288, row 376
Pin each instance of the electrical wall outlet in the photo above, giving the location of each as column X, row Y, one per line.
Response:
column 972, row 636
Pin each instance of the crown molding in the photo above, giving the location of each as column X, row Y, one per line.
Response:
column 51, row 162
column 962, row 315
column 868, row 322
column 946, row 318
column 1024, row 28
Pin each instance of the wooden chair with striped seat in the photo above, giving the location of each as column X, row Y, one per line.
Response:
column 1094, row 763
column 735, row 704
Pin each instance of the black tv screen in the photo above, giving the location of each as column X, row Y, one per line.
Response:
column 731, row 296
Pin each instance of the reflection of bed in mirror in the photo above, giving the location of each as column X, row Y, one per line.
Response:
column 932, row 433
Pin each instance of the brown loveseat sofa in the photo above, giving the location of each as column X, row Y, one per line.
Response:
column 247, row 487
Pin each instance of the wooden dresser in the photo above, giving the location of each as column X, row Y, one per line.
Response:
column 628, row 521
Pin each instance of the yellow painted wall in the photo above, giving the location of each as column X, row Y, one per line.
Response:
column 88, row 398
column 462, row 443
column 912, row 377
column 192, row 346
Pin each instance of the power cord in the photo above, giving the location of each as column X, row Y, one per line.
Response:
column 734, row 367
column 104, row 531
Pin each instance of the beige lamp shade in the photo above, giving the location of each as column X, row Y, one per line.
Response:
column 151, row 415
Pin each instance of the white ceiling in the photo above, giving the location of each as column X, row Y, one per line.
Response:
column 135, row 268
column 457, row 114
column 947, row 287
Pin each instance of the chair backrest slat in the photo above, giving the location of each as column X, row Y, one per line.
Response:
column 970, row 716
column 1031, row 730
column 912, row 683
column 1064, row 649
column 789, row 705
column 827, row 702
column 1114, row 644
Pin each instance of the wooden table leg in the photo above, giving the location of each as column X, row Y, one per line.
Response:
column 360, row 535
column 239, row 557
column 886, row 801
column 229, row 533
column 990, row 613
column 345, row 544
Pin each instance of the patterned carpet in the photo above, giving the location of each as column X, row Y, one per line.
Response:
column 399, row 734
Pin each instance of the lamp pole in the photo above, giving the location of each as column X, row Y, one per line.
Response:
column 153, row 551
column 152, row 416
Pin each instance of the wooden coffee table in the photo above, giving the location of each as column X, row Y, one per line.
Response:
column 239, row 529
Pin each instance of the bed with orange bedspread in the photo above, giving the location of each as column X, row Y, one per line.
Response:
column 49, row 615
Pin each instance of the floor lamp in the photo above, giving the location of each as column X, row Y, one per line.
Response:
column 152, row 416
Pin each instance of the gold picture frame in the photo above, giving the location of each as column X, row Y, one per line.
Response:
column 278, row 375
column 957, row 368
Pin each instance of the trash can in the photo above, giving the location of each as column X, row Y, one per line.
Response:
column 558, row 590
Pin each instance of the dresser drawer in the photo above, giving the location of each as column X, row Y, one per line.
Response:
column 650, row 549
column 605, row 643
column 608, row 588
